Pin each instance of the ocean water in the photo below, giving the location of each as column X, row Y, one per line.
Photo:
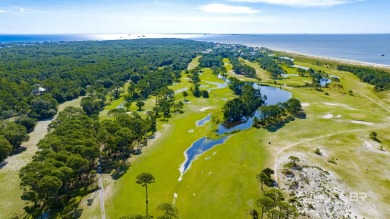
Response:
column 370, row 48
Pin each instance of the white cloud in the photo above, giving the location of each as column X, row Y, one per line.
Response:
column 227, row 9
column 22, row 10
column 2, row 11
column 301, row 3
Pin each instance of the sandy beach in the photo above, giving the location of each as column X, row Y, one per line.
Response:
column 329, row 59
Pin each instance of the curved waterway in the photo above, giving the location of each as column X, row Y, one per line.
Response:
column 203, row 121
column 197, row 148
column 273, row 96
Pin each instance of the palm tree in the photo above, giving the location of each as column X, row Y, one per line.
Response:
column 144, row 179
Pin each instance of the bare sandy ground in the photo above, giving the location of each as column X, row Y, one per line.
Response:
column 322, row 193
column 204, row 108
column 328, row 116
column 362, row 122
column 340, row 105
column 305, row 104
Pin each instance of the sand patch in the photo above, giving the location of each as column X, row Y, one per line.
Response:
column 340, row 105
column 204, row 109
column 316, row 187
column 361, row 122
column 181, row 90
column 328, row 116
column 372, row 146
column 305, row 104
column 339, row 116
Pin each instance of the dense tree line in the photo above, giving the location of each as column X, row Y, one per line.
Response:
column 67, row 70
column 34, row 78
column 240, row 68
column 269, row 64
column 276, row 114
column 272, row 202
column 379, row 78
column 195, row 80
column 65, row 166
column 67, row 163
column 120, row 136
column 11, row 137
column 211, row 59
column 243, row 106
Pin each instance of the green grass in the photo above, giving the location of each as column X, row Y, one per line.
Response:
column 163, row 161
column 222, row 182
column 194, row 63
column 228, row 64
column 165, row 156
column 261, row 73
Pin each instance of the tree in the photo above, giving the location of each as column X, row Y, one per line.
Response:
column 318, row 151
column 43, row 108
column 5, row 148
column 264, row 177
column 374, row 136
column 92, row 105
column 140, row 104
column 266, row 203
column 14, row 133
column 205, row 94
column 27, row 122
column 254, row 214
column 293, row 160
column 144, row 179
column 185, row 95
column 170, row 211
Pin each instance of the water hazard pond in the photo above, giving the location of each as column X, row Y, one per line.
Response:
column 273, row 96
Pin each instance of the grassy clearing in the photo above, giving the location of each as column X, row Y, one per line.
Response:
column 163, row 161
column 261, row 73
column 222, row 182
column 194, row 63
column 11, row 205
column 164, row 156
column 360, row 166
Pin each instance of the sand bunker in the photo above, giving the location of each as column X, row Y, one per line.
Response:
column 305, row 104
column 340, row 105
column 204, row 109
column 328, row 116
column 362, row 122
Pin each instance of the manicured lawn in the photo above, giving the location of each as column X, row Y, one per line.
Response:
column 221, row 183
column 194, row 63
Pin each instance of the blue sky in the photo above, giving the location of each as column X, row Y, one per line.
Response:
column 202, row 16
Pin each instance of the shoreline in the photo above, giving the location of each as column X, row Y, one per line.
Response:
column 331, row 59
